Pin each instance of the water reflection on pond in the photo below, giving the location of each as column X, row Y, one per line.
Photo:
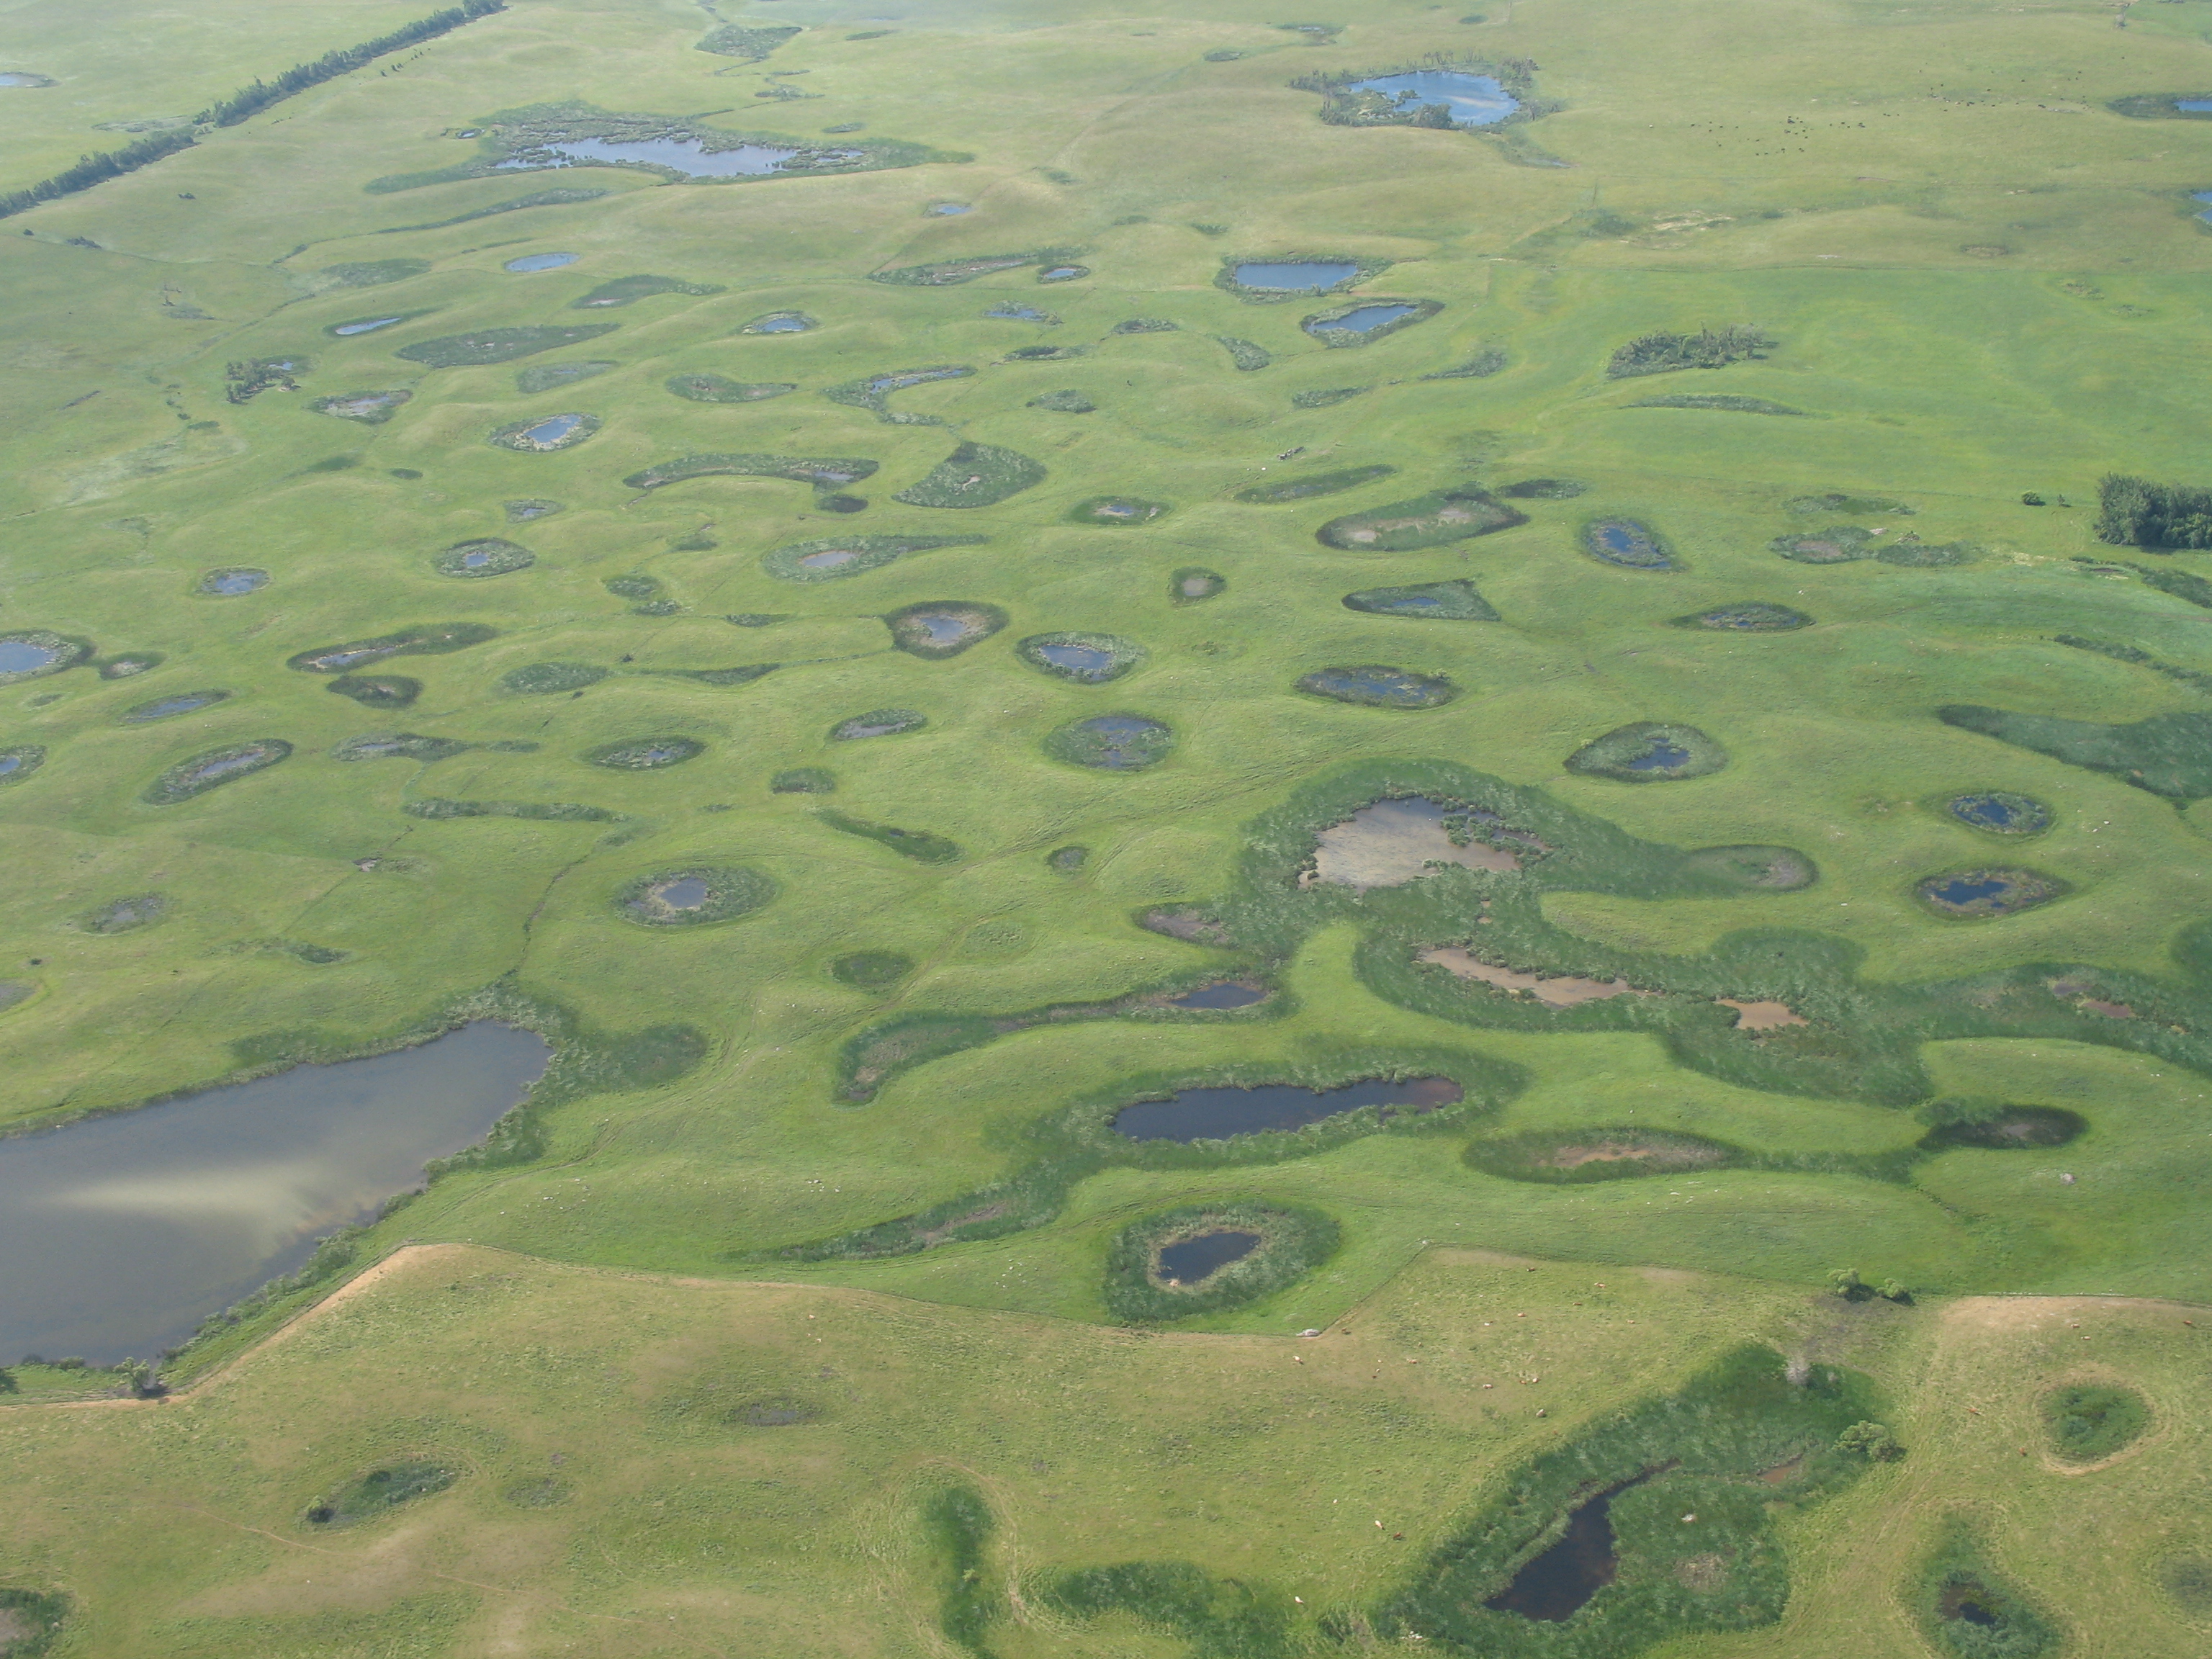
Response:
column 122, row 1233
column 1216, row 1113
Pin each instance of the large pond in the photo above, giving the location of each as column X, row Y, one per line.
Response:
column 1554, row 1585
column 122, row 1233
column 1188, row 1260
column 1362, row 319
column 1217, row 1114
column 1474, row 100
column 1296, row 276
column 687, row 157
column 23, row 657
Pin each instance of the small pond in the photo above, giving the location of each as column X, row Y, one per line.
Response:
column 784, row 322
column 947, row 209
column 1188, row 1260
column 1623, row 541
column 553, row 428
column 365, row 326
column 1217, row 1114
column 1388, row 843
column 1062, row 273
column 1474, row 100
column 687, row 157
column 230, row 584
column 1380, row 687
column 2194, row 105
column 23, row 657
column 2002, row 812
column 1012, row 312
column 1362, row 319
column 1661, row 757
column 1113, row 743
column 882, row 723
column 1552, row 1585
column 1982, row 893
column 1223, row 994
column 20, row 762
column 122, row 1233
column 21, row 78
column 1296, row 276
column 684, row 893
column 542, row 261
column 185, row 702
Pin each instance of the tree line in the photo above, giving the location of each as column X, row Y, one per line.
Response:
column 240, row 106
column 2136, row 513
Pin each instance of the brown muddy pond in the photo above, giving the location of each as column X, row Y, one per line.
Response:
column 1391, row 843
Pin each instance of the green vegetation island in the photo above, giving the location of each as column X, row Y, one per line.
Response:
column 1026, row 830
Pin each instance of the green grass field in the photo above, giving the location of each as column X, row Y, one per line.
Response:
column 1980, row 282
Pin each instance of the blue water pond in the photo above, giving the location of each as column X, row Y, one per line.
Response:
column 1364, row 319
column 542, row 261
column 1474, row 100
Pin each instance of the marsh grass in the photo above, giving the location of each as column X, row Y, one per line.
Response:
column 919, row 845
column 1969, row 1609
column 973, row 475
column 2089, row 1421
column 959, row 1525
column 379, row 1491
column 499, row 345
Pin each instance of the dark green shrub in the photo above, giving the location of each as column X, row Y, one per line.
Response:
column 428, row 640
column 380, row 1490
column 2089, row 1421
column 1431, row 521
column 916, row 844
column 645, row 754
column 1661, row 353
column 36, row 1616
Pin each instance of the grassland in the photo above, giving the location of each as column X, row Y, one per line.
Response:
column 1985, row 283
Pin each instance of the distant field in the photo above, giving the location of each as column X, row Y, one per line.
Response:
column 889, row 651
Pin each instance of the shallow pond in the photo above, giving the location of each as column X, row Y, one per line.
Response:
column 1117, row 743
column 1627, row 543
column 948, row 209
column 686, row 893
column 366, row 325
column 2202, row 195
column 1474, row 100
column 1224, row 994
column 1062, row 273
column 687, row 157
column 1188, row 1260
column 1296, row 276
column 1379, row 687
column 553, row 428
column 1012, row 313
column 1217, row 1114
column 1362, row 319
column 17, row 78
column 22, row 657
column 1552, row 1585
column 230, row 584
column 185, row 702
column 882, row 723
column 1661, row 757
column 122, row 1233
column 786, row 322
column 1391, row 843
column 542, row 261
column 1981, row 893
column 2194, row 105
column 2002, row 812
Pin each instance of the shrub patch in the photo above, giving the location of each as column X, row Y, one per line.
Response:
column 849, row 555
column 551, row 377
column 1546, row 489
column 369, row 408
column 944, row 628
column 2000, row 811
column 378, row 1490
column 1663, row 353
column 2088, row 1422
column 1729, row 401
column 1451, row 601
column 1279, row 1246
column 916, row 844
column 879, row 723
column 130, row 665
column 1430, row 521
column 1994, row 1126
column 32, row 1620
column 872, row 391
column 539, row 678
column 213, row 769
column 645, row 754
column 1575, row 1157
column 1649, row 751
column 429, row 639
column 721, row 389
column 1313, row 483
column 376, row 690
column 629, row 290
column 1748, row 617
column 750, row 42
column 973, row 475
column 1111, row 743
column 1243, row 354
column 804, row 780
column 437, row 808
column 490, row 556
column 498, row 346
column 1067, row 401
column 694, row 896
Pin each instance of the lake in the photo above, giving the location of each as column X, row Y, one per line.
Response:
column 122, row 1233
column 1474, row 100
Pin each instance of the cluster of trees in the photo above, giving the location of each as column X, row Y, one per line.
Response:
column 239, row 106
column 2136, row 513
column 1709, row 348
column 1846, row 1283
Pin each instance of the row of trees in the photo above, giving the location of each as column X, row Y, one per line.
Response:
column 2136, row 513
column 90, row 170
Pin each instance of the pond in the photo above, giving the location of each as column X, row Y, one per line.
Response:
column 1296, row 276
column 1188, row 1260
column 1982, row 893
column 18, row 78
column 1380, row 687
column 1623, row 541
column 1223, row 994
column 783, row 322
column 2002, row 812
column 1217, row 1114
column 1077, row 661
column 553, row 428
column 122, row 1233
column 1362, row 319
column 1474, row 100
column 24, row 657
column 686, row 893
column 1661, row 757
column 1062, row 273
column 185, row 702
column 1388, row 843
column 882, row 723
column 1012, row 313
column 369, row 325
column 2194, row 105
column 1552, row 1585
column 688, row 157
column 947, row 209
column 230, row 584
column 542, row 261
